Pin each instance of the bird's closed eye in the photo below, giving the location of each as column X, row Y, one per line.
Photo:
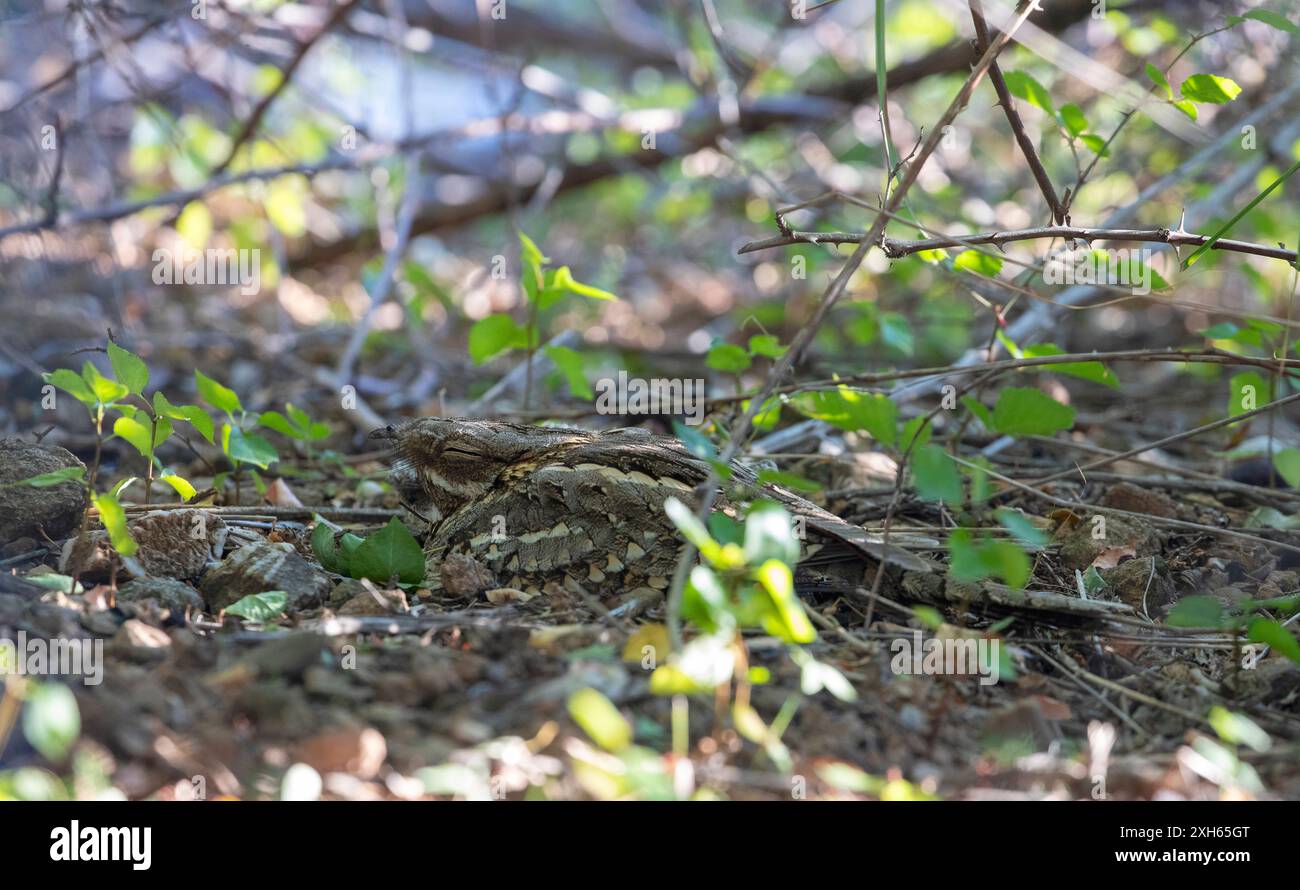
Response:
column 456, row 449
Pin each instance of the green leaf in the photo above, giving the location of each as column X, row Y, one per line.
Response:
column 1022, row 528
column 106, row 391
column 51, row 720
column 530, row 253
column 73, row 384
column 1276, row 19
column 218, row 396
column 390, row 552
column 1247, row 391
column 1093, row 582
column 494, row 335
column 851, row 409
column 130, row 369
column 935, row 474
column 695, row 441
column 274, row 420
column 980, row 410
column 260, row 607
column 978, row 262
column 53, row 581
column 1186, row 106
column 136, row 433
column 570, row 364
column 769, row 534
column 113, row 517
column 45, row 480
column 704, row 601
column 192, row 414
column 1287, row 463
column 766, row 345
column 728, row 358
column 600, row 719
column 247, row 448
column 1095, row 372
column 563, row 280
column 916, row 432
column 1024, row 86
column 181, row 485
column 1095, row 144
column 896, row 332
column 1236, row 729
column 972, row 561
column 787, row 620
column 1158, row 78
column 1196, row 611
column 1209, row 88
column 1024, row 411
column 1274, row 635
column 693, row 530
column 768, row 414
column 1073, row 118
column 327, row 553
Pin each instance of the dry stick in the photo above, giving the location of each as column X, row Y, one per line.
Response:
column 346, row 514
column 1128, row 514
column 72, row 67
column 1022, row 326
column 829, row 298
column 1205, row 356
column 1013, row 116
column 286, row 75
column 1176, row 437
column 897, row 248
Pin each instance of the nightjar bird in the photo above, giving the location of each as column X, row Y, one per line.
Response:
column 539, row 506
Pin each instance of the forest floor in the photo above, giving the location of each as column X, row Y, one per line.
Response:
column 414, row 693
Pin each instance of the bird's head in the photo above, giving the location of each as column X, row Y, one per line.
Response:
column 442, row 463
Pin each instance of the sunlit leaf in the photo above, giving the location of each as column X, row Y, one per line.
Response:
column 51, row 720
column 215, row 394
column 1209, row 88
column 600, row 719
column 259, row 607
column 129, row 368
column 45, row 480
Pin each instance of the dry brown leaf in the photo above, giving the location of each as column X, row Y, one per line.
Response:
column 1111, row 556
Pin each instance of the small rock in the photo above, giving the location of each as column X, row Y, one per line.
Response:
column 136, row 637
column 1141, row 581
column 344, row 591
column 172, row 544
column 27, row 512
column 376, row 602
column 259, row 567
column 167, row 592
column 1127, row 496
column 1081, row 544
column 18, row 547
column 463, row 575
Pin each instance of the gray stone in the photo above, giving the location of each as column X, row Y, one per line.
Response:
column 168, row 592
column 30, row 512
column 259, row 567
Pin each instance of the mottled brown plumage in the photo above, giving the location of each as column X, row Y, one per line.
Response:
column 538, row 505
